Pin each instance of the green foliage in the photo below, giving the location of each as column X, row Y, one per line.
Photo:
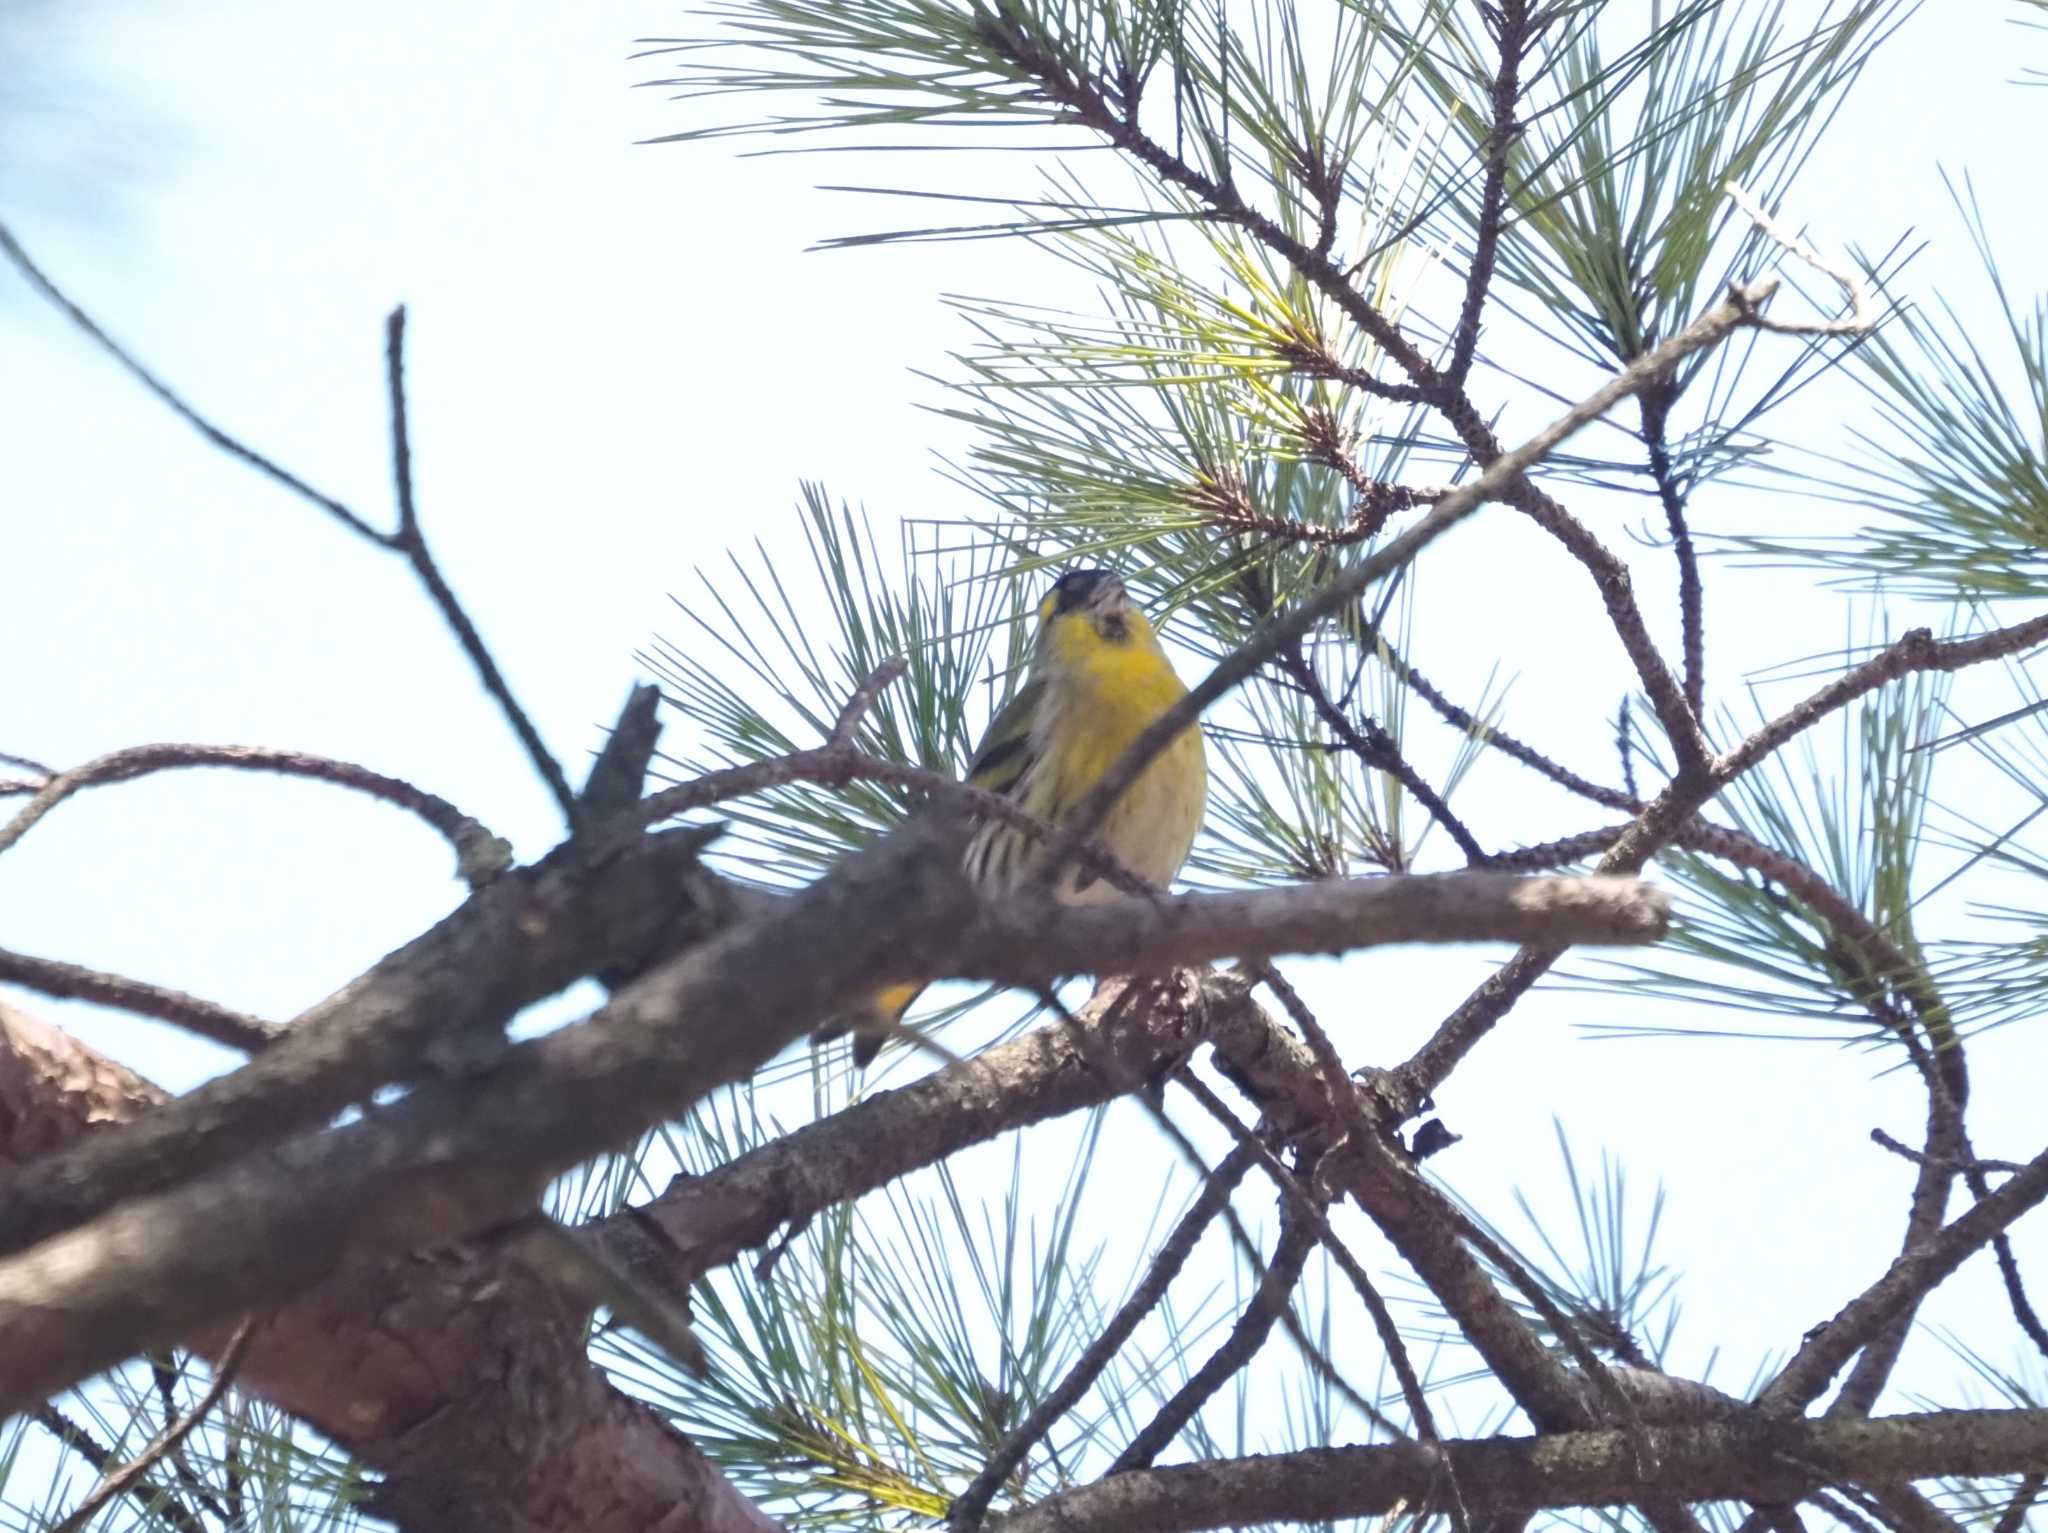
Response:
column 1617, row 202
column 756, row 682
column 1219, row 425
column 1860, row 822
column 1957, row 464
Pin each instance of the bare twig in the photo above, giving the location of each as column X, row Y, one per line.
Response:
column 102, row 1458
column 1495, row 481
column 1511, row 35
column 1247, row 1336
column 119, row 1481
column 1486, row 734
column 1910, row 1276
column 1127, row 1081
column 1656, row 412
column 971, row 1505
column 863, row 698
column 1346, row 1109
column 406, row 540
column 70, row 981
column 1859, row 318
column 1918, row 1157
column 480, row 855
column 1377, row 750
column 409, row 541
column 1309, row 1211
column 11, row 247
column 1663, row 816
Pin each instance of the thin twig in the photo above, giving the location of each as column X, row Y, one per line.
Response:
column 70, row 981
column 412, row 543
column 1656, row 412
column 118, row 1481
column 1859, row 318
column 11, row 247
column 1380, row 753
column 1512, row 35
column 1912, row 1274
column 1345, row 1106
column 863, row 698
column 1917, row 1157
column 163, row 1366
column 406, row 540
column 971, row 1505
column 153, row 1499
column 1289, row 627
column 1486, row 734
column 2014, row 1517
column 1312, row 1213
column 1247, row 1336
column 480, row 855
column 1106, row 1064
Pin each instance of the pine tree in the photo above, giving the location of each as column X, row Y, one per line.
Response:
column 1370, row 324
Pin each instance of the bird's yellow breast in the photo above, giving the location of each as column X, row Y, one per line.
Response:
column 1105, row 697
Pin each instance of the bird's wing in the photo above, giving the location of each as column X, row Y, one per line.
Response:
column 1005, row 753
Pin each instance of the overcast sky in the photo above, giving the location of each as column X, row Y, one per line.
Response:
column 623, row 360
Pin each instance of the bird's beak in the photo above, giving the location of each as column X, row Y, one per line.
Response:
column 1108, row 598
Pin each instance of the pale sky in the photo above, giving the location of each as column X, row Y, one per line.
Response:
column 623, row 360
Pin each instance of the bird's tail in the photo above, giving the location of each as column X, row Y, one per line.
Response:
column 871, row 1022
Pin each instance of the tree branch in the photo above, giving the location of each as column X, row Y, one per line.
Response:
column 1656, row 412
column 1498, row 480
column 1908, row 1278
column 480, row 855
column 153, row 1500
column 1378, row 751
column 412, row 543
column 1773, row 1463
column 590, row 906
column 11, row 248
column 122, row 1480
column 70, row 981
column 1247, row 1336
column 971, row 1505
column 1511, row 35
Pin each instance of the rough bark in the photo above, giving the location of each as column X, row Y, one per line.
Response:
column 1757, row 1461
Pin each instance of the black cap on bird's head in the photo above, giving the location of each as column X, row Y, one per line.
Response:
column 1097, row 595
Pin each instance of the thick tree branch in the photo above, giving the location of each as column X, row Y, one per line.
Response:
column 1770, row 1462
column 589, row 906
column 379, row 1350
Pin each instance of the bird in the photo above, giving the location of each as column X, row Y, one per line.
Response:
column 1098, row 677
